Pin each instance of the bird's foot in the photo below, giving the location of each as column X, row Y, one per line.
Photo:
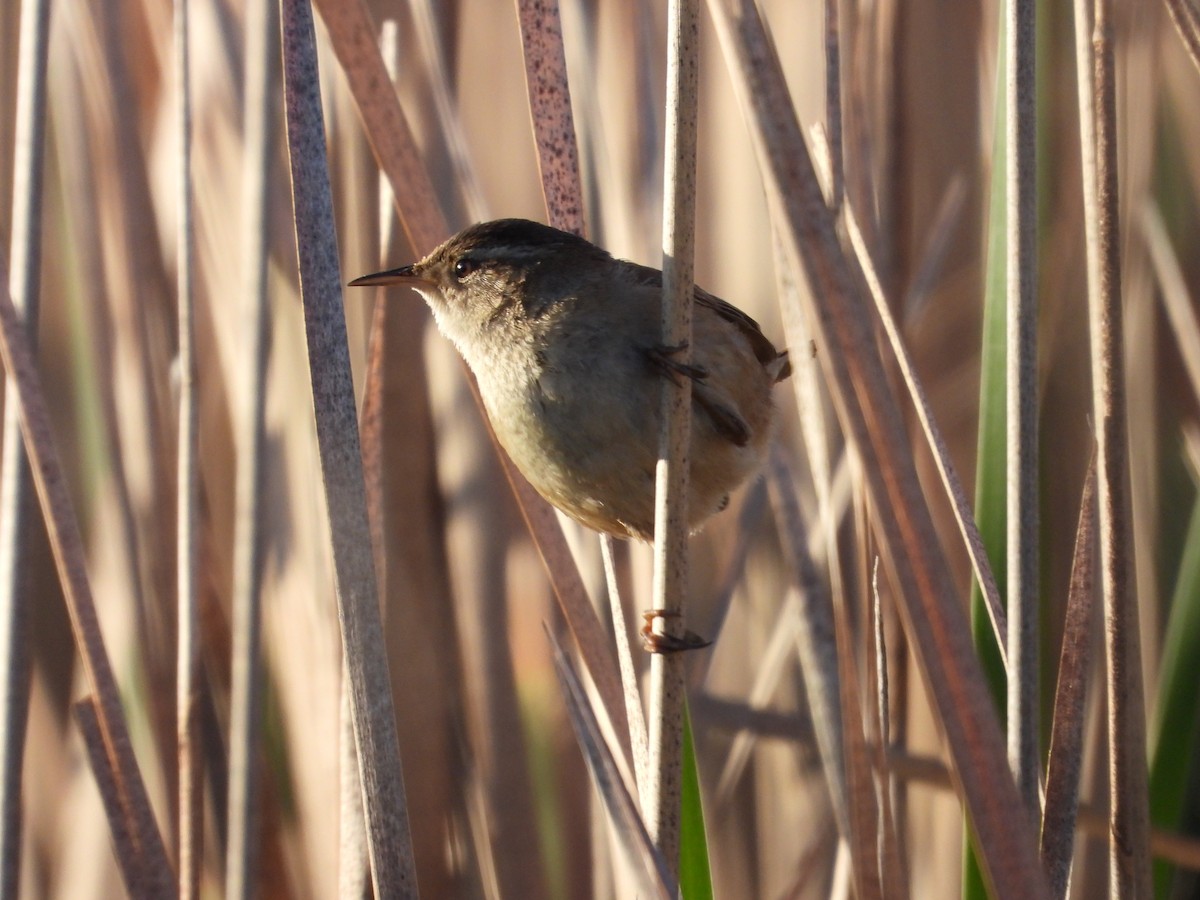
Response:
column 668, row 643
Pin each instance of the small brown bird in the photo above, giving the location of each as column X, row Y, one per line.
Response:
column 566, row 344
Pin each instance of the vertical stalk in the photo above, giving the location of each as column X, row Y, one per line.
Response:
column 1021, row 122
column 188, row 675
column 1129, row 855
column 384, row 802
column 671, row 517
column 18, row 512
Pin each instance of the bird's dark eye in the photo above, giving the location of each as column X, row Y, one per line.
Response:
column 465, row 267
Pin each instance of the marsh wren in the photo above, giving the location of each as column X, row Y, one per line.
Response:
column 566, row 344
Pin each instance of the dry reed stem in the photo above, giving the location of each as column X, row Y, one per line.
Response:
column 629, row 675
column 1070, row 702
column 959, row 502
column 380, row 773
column 1021, row 400
column 930, row 607
column 667, row 689
column 892, row 866
column 246, row 664
column 1129, row 857
column 353, row 854
column 125, row 848
column 189, row 664
column 624, row 815
column 550, row 107
column 864, row 819
column 354, row 42
column 69, row 557
column 18, row 514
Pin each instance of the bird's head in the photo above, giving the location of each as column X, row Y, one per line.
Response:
column 495, row 276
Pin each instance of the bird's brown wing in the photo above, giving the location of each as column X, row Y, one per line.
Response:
column 764, row 350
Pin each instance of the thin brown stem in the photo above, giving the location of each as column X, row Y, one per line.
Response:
column 18, row 513
column 66, row 542
column 671, row 484
column 1066, row 739
column 1129, row 857
column 189, row 672
column 550, row 106
column 1021, row 394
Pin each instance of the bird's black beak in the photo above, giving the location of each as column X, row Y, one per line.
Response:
column 403, row 275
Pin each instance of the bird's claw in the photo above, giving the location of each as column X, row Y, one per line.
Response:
column 668, row 643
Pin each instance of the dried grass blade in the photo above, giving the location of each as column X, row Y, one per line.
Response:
column 959, row 501
column 380, row 771
column 67, row 545
column 125, row 847
column 18, row 514
column 623, row 813
column 892, row 865
column 935, row 622
column 1070, row 701
column 864, row 819
column 550, row 105
column 1129, row 854
column 354, row 41
column 629, row 676
column 353, row 854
